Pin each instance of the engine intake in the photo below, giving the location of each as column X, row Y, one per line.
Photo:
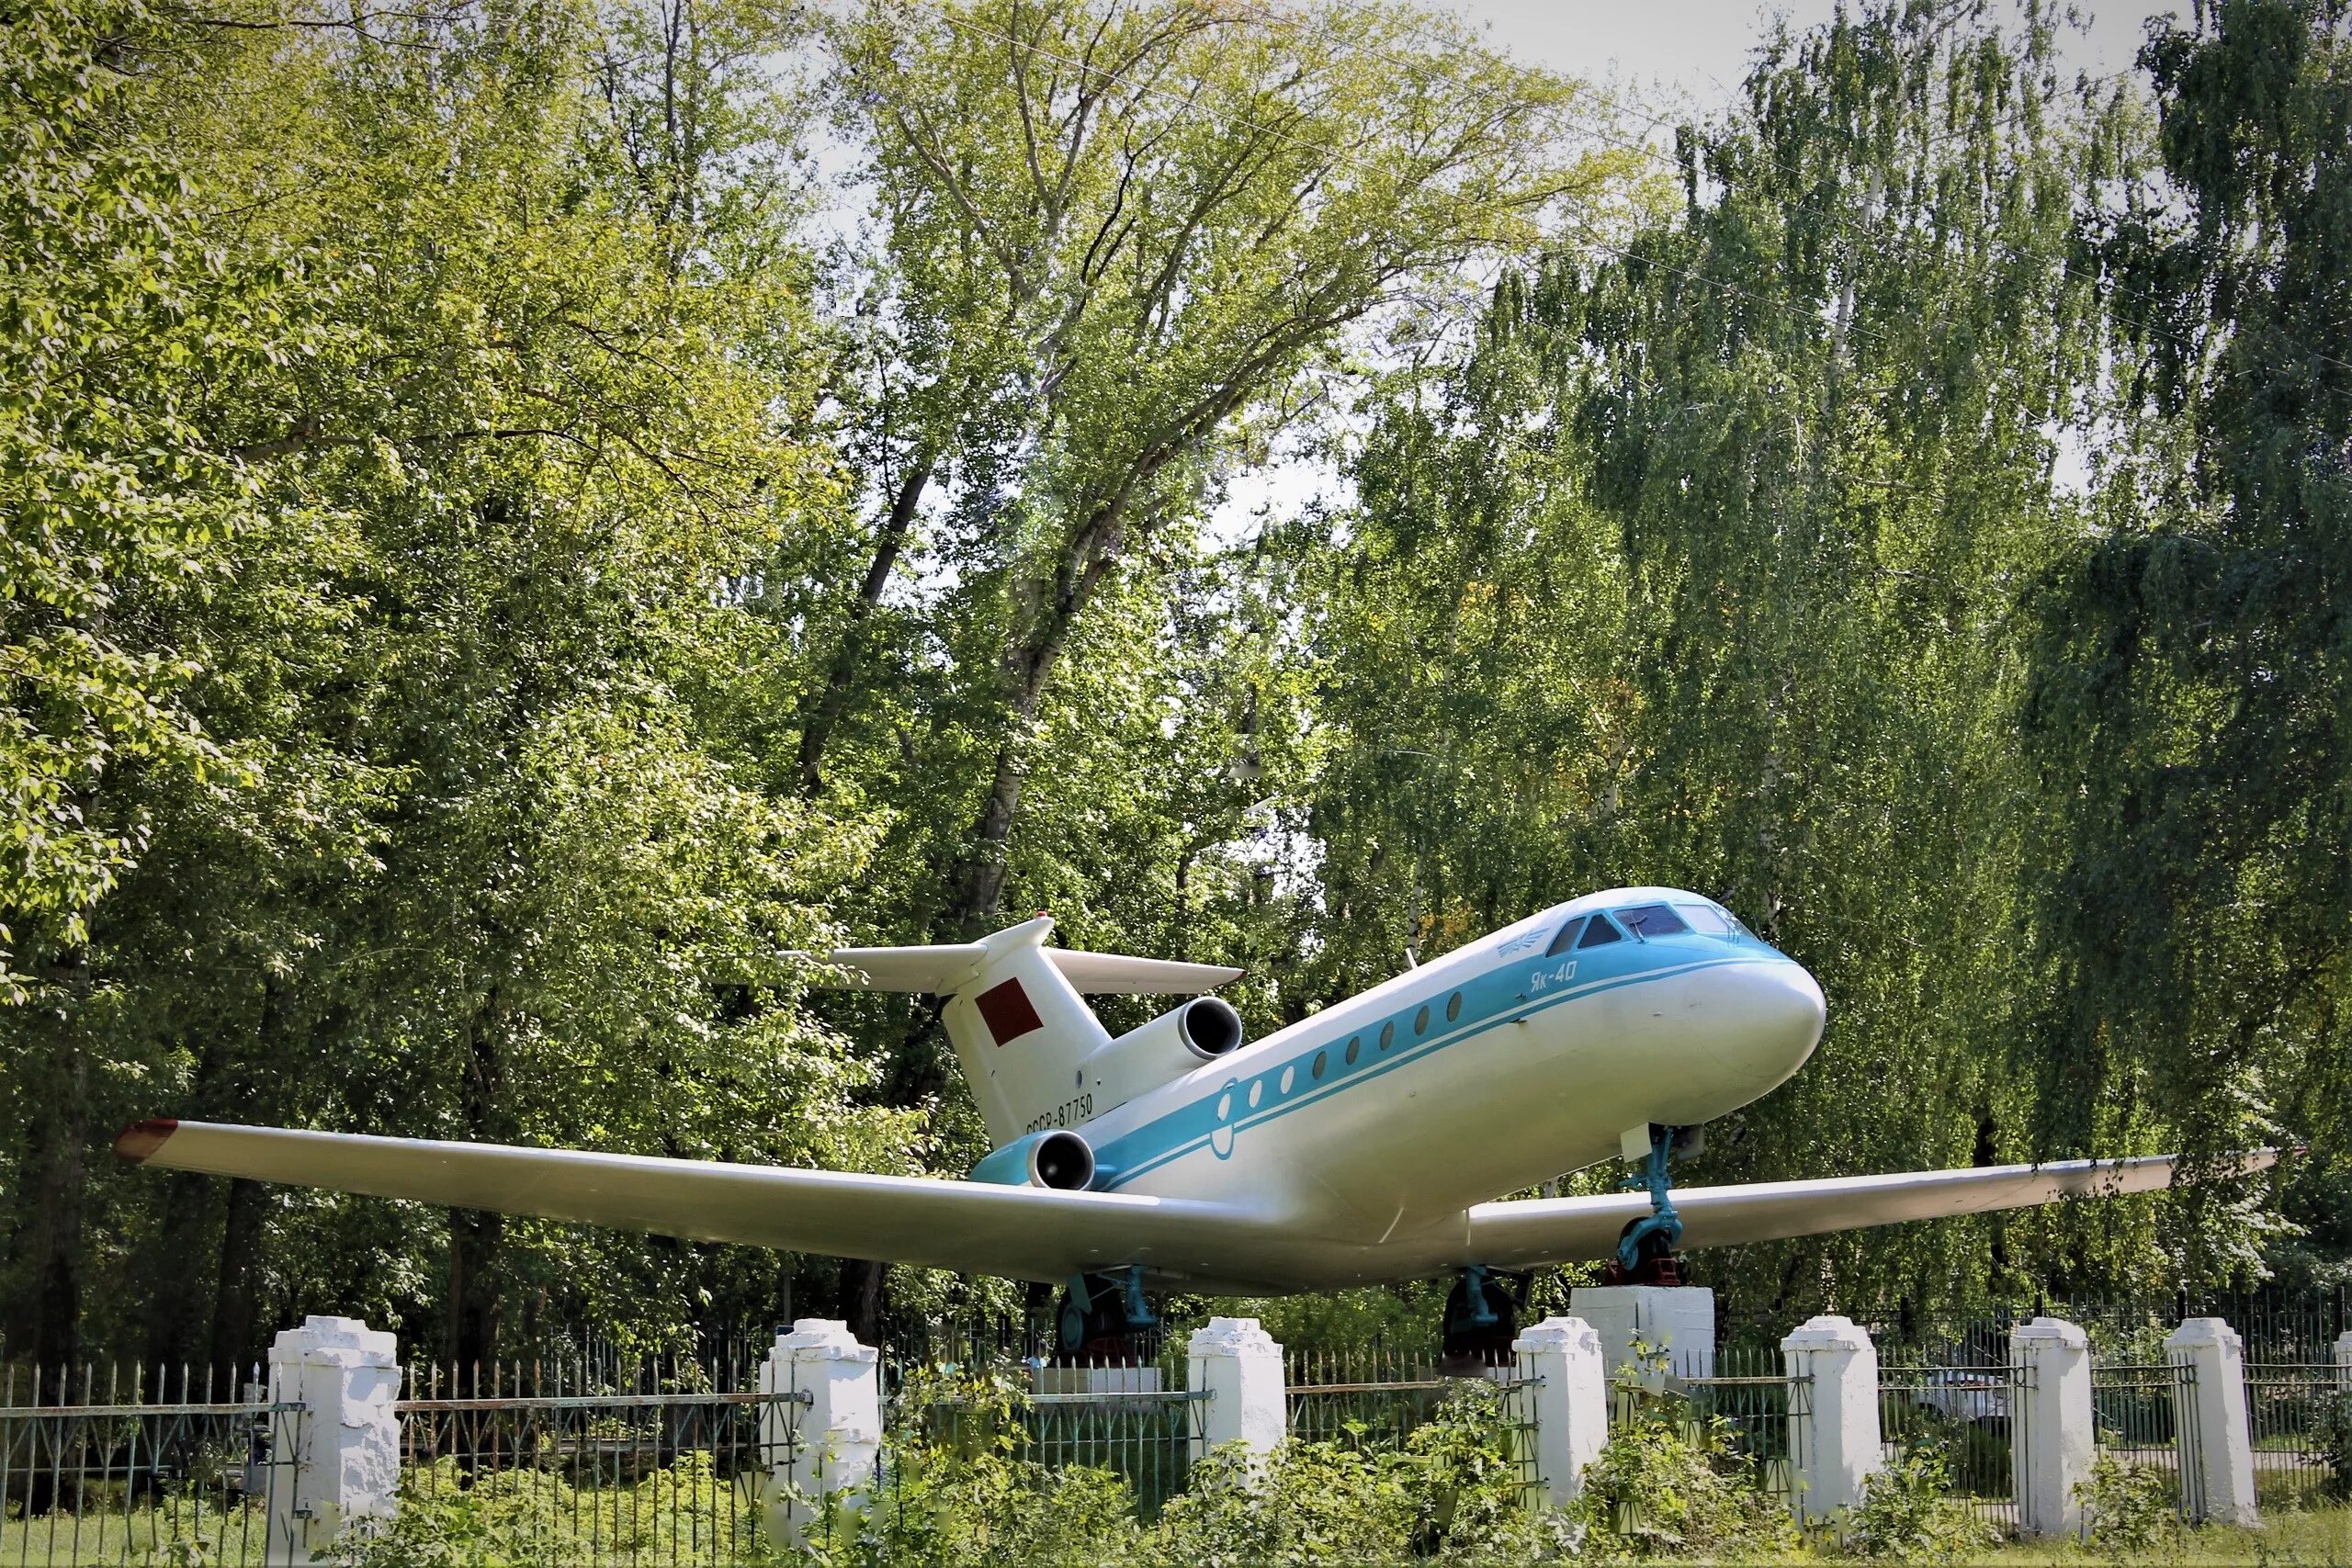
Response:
column 1209, row 1027
column 1056, row 1158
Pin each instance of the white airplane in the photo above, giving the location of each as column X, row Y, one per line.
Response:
column 1363, row 1144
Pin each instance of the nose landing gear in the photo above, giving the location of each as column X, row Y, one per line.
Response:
column 1646, row 1251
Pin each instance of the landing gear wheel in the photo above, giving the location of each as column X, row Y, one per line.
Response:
column 1100, row 1318
column 1654, row 1260
column 1481, row 1318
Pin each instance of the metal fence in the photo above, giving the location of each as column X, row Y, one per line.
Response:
column 1966, row 1412
column 1373, row 1400
column 1758, row 1406
column 1127, row 1420
column 2144, row 1414
column 143, row 1468
column 655, row 1461
column 2300, row 1416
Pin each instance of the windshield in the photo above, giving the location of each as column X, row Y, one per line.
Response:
column 1652, row 920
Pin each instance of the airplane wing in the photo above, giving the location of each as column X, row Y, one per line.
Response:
column 946, row 968
column 1558, row 1230
column 972, row 1227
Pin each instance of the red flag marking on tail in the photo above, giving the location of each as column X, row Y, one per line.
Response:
column 1008, row 1011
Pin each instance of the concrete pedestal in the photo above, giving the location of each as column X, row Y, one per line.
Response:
column 1675, row 1321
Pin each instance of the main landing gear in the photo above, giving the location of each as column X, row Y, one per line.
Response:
column 1482, row 1315
column 1099, row 1316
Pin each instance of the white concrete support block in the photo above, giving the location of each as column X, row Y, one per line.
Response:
column 825, row 1445
column 2344, row 1358
column 1677, row 1321
column 2216, row 1444
column 1239, row 1366
column 1834, row 1442
column 337, row 1459
column 1566, row 1403
column 2052, row 1440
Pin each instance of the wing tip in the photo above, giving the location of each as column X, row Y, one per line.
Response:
column 135, row 1143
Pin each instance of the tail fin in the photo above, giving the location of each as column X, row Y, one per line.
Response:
column 1016, row 1016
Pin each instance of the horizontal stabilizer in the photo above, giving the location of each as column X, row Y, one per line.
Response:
column 945, row 969
column 1556, row 1230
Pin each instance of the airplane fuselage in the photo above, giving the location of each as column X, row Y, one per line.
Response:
column 1369, row 1129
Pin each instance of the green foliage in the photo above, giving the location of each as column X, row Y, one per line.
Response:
column 2331, row 1437
column 2127, row 1509
column 1672, row 1482
column 1908, row 1515
column 529, row 1517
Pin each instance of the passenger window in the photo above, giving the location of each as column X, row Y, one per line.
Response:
column 1454, row 1006
column 1421, row 1021
column 1598, row 933
column 1652, row 920
column 1565, row 940
column 1355, row 1046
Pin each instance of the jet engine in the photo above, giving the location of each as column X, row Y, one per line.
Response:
column 1056, row 1158
column 1162, row 1051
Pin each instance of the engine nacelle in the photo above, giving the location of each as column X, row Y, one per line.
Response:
column 1162, row 1051
column 1056, row 1158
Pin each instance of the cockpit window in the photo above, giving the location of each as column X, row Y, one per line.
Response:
column 1598, row 933
column 1565, row 940
column 1708, row 921
column 1652, row 920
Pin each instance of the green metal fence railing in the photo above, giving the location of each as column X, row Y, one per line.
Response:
column 2300, row 1418
column 2144, row 1414
column 143, row 1467
column 649, row 1462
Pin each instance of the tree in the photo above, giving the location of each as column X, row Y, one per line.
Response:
column 2189, row 714
column 1118, row 235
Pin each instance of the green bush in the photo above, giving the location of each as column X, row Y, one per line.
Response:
column 2332, row 1438
column 1907, row 1513
column 2125, row 1507
column 1672, row 1482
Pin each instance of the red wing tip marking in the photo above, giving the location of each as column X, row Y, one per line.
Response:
column 136, row 1142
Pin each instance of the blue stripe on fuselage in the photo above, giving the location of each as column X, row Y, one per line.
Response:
column 1490, row 999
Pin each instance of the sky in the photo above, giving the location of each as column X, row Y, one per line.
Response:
column 1700, row 47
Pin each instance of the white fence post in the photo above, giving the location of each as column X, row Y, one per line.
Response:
column 2216, row 1445
column 344, row 1444
column 2053, row 1440
column 1833, row 1443
column 1567, row 1401
column 826, row 1440
column 1239, row 1366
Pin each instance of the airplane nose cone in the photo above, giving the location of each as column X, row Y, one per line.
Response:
column 1770, row 1023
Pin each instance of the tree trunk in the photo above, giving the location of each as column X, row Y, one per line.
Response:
column 861, row 1298
column 476, row 1237
column 474, row 1244
column 825, row 707
column 236, row 1307
column 45, row 1326
column 176, row 1329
